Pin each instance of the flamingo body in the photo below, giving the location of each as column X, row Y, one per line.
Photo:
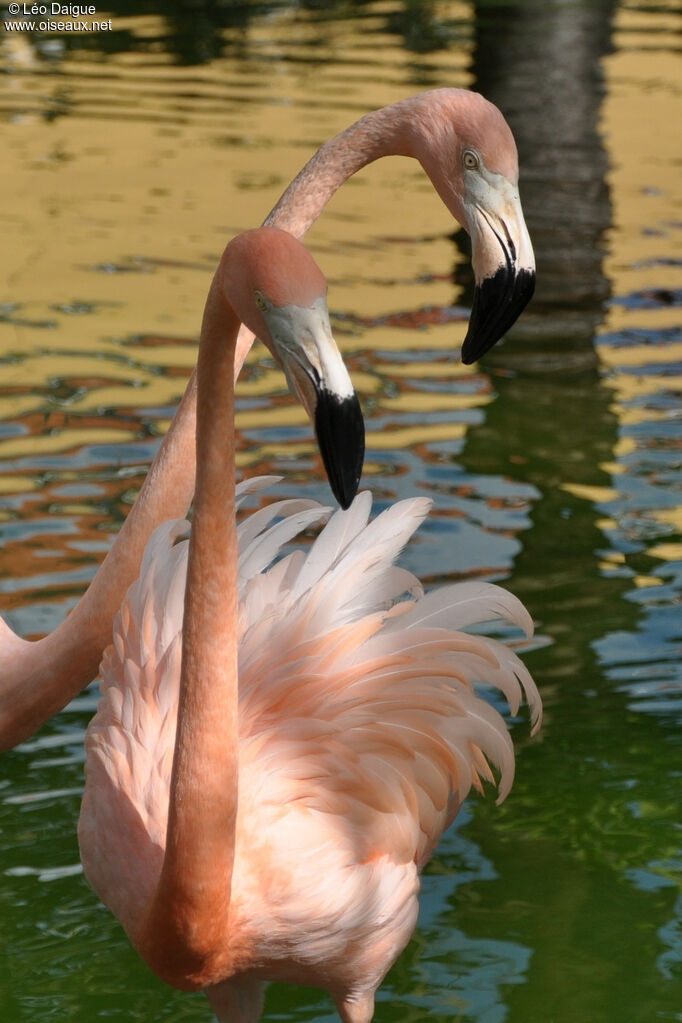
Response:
column 359, row 736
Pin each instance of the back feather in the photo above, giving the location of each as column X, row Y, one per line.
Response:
column 357, row 693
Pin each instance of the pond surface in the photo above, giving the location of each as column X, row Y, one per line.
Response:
column 129, row 157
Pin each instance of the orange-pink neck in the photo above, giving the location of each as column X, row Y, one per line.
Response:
column 384, row 132
column 186, row 938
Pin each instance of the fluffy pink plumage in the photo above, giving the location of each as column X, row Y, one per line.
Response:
column 360, row 734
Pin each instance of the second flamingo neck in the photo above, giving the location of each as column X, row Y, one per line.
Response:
column 385, row 132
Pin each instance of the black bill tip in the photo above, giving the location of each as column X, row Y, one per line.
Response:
column 340, row 431
column 498, row 302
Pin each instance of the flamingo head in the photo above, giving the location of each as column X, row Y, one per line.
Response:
column 276, row 288
column 467, row 149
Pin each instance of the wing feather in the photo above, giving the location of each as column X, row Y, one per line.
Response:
column 358, row 694
column 261, row 551
column 253, row 485
column 464, row 604
column 342, row 529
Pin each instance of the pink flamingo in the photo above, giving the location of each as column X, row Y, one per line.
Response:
column 278, row 748
column 468, row 151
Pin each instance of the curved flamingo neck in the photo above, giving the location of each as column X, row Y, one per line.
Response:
column 385, row 132
column 185, row 938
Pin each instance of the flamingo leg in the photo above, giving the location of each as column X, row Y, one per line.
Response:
column 238, row 1000
column 358, row 1008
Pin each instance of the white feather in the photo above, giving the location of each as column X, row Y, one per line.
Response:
column 258, row 521
column 464, row 604
column 253, row 486
column 264, row 548
column 341, row 530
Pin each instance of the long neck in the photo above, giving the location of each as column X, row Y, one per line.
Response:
column 186, row 935
column 384, row 132
column 39, row 678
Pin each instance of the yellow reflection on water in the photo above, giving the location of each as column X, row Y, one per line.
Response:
column 640, row 122
column 14, row 485
column 123, row 179
column 594, row 494
column 60, row 440
column 642, row 359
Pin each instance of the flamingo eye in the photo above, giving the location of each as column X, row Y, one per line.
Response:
column 259, row 299
column 470, row 159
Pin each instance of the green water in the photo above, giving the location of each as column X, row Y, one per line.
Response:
column 555, row 466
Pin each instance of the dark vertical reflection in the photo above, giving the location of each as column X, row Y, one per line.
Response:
column 569, row 817
column 547, row 427
column 539, row 61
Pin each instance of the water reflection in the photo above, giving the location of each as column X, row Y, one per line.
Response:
column 586, row 599
column 554, row 465
column 552, row 103
column 193, row 33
